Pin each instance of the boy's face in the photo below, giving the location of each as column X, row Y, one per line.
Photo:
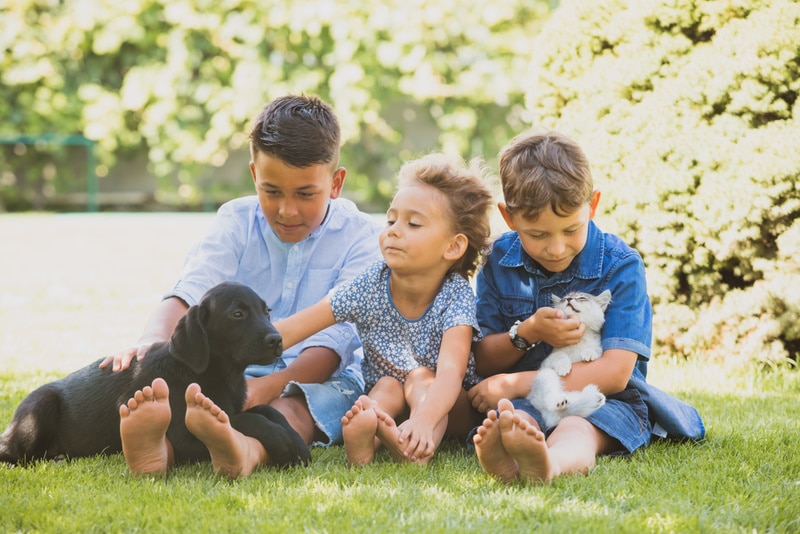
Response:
column 553, row 240
column 294, row 201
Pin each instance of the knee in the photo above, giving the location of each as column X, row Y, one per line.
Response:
column 388, row 384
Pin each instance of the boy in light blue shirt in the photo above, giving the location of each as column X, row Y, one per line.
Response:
column 555, row 248
column 292, row 242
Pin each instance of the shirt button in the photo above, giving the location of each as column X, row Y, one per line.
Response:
column 290, row 285
column 347, row 335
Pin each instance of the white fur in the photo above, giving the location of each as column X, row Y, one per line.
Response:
column 547, row 393
column 548, row 396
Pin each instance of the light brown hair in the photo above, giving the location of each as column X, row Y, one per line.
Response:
column 541, row 169
column 468, row 196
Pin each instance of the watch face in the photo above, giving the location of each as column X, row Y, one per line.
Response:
column 518, row 342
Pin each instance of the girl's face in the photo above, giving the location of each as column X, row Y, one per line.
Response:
column 417, row 236
column 553, row 240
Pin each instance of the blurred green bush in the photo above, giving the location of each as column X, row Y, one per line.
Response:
column 688, row 111
column 690, row 116
column 180, row 80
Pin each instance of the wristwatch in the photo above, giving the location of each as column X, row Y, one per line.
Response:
column 519, row 342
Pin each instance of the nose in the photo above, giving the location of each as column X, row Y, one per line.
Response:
column 556, row 248
column 287, row 207
column 274, row 343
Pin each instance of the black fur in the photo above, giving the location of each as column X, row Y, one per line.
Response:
column 212, row 345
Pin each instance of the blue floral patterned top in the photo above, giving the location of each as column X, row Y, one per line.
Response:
column 393, row 344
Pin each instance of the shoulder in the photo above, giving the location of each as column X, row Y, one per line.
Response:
column 504, row 244
column 617, row 250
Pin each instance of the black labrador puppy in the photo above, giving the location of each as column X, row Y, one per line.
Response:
column 212, row 345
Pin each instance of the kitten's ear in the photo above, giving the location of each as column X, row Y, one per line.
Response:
column 603, row 299
column 555, row 299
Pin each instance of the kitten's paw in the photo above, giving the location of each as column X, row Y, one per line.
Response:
column 561, row 366
column 590, row 356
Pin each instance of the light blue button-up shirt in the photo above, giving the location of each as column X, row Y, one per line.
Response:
column 242, row 247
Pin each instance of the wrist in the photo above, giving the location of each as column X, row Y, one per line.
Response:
column 519, row 338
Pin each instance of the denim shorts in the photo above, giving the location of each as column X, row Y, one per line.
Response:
column 327, row 402
column 623, row 417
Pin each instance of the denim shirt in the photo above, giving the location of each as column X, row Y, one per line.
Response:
column 241, row 246
column 511, row 287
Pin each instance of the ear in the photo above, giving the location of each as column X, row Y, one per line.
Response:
column 253, row 170
column 593, row 203
column 555, row 300
column 338, row 182
column 457, row 248
column 189, row 343
column 506, row 215
column 604, row 299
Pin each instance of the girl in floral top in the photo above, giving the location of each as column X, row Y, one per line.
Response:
column 415, row 314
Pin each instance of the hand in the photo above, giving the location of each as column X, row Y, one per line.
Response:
column 485, row 395
column 417, row 436
column 553, row 328
column 263, row 390
column 123, row 360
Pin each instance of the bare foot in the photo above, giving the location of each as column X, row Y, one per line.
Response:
column 232, row 453
column 143, row 428
column 492, row 455
column 389, row 435
column 359, row 426
column 527, row 446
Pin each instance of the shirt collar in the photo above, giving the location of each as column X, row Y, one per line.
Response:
column 588, row 264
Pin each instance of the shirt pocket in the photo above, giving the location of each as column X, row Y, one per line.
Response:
column 516, row 308
column 315, row 285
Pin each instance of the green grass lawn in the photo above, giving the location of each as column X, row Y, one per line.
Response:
column 73, row 288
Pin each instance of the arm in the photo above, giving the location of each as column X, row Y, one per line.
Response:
column 610, row 373
column 496, row 354
column 305, row 323
column 313, row 365
column 158, row 328
column 435, row 403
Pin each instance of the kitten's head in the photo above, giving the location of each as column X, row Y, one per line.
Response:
column 588, row 308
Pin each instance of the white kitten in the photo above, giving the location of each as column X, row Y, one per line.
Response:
column 591, row 311
column 547, row 393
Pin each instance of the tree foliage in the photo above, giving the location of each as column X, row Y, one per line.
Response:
column 688, row 110
column 181, row 79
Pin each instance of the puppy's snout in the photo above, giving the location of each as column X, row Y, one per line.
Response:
column 275, row 343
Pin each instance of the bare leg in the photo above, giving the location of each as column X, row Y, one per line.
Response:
column 492, row 455
column 359, row 428
column 143, row 428
column 296, row 412
column 232, row 453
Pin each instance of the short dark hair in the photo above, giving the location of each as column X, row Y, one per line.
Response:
column 299, row 130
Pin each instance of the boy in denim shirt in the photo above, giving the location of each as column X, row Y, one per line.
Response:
column 555, row 248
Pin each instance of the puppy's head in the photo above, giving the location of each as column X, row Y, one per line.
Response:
column 232, row 323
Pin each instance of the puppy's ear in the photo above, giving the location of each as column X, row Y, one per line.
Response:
column 189, row 343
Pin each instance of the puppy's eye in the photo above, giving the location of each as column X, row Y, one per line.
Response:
column 238, row 314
